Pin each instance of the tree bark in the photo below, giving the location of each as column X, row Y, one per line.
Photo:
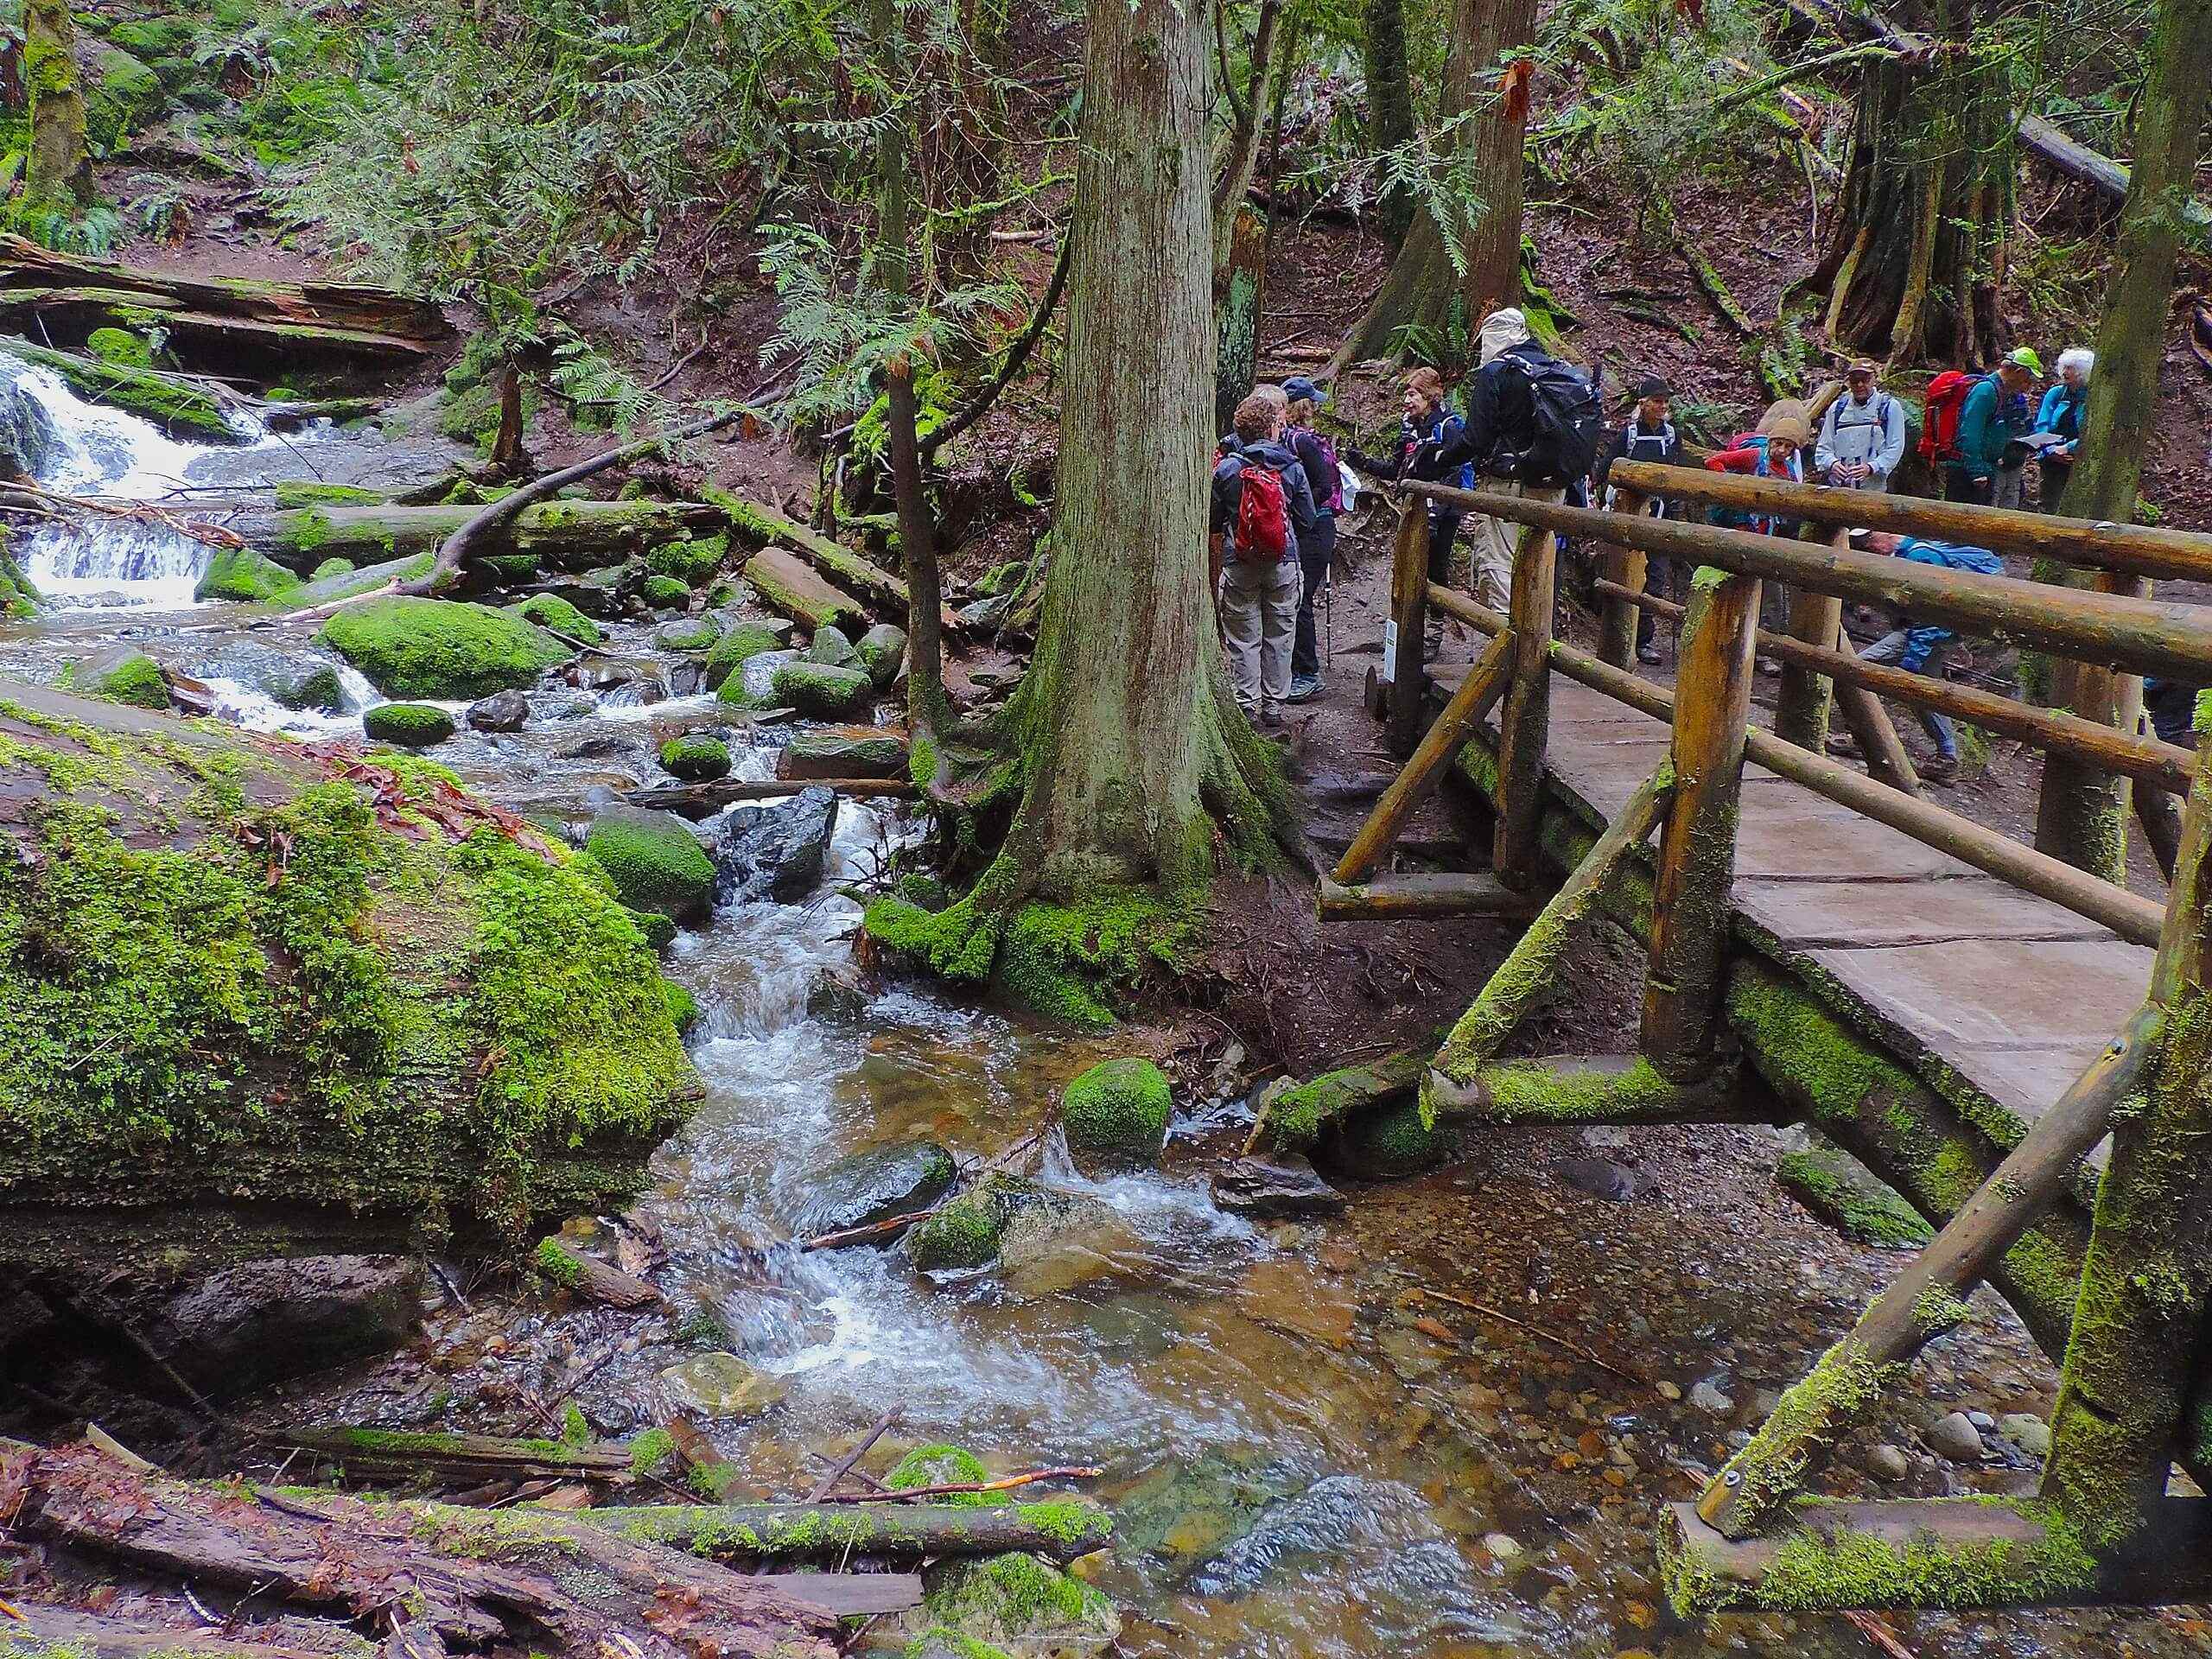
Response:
column 1917, row 251
column 1389, row 99
column 1241, row 149
column 2082, row 815
column 1423, row 290
column 59, row 170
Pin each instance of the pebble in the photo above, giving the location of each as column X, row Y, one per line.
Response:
column 1668, row 1390
column 1982, row 1420
column 1888, row 1463
column 1956, row 1438
column 1710, row 1400
column 1502, row 1547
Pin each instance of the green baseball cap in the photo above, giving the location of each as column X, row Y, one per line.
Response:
column 2025, row 358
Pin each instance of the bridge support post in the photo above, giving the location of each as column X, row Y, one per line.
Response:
column 1525, row 727
column 1697, row 850
column 1628, row 568
column 1407, row 676
column 1800, row 712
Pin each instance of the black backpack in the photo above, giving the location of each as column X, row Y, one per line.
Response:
column 1566, row 421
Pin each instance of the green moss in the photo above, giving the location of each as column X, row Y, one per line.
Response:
column 694, row 563
column 659, row 931
column 242, row 574
column 553, row 1260
column 553, row 612
column 136, row 680
column 1540, row 1091
column 943, row 1465
column 119, row 346
column 1016, row 1599
column 962, row 1233
column 1879, row 1219
column 687, row 634
column 650, row 1449
column 666, row 593
column 408, row 725
column 1830, row 1399
column 654, row 861
column 442, row 649
column 1298, row 1117
column 696, row 759
column 1064, row 961
column 821, row 691
column 1396, row 1142
column 1937, row 1311
column 742, row 642
column 331, row 567
column 313, row 492
column 1117, row 1112
column 683, row 1007
column 575, row 1428
column 942, row 1642
column 179, row 407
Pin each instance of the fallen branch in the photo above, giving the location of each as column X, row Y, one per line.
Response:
column 1056, row 1531
column 1536, row 1331
column 875, row 1230
column 591, row 1278
column 390, row 1453
column 46, row 501
column 828, row 1484
column 914, row 1494
column 1710, row 285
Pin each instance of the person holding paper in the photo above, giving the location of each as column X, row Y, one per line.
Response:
column 2059, row 419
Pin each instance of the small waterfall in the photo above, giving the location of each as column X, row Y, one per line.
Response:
column 84, row 450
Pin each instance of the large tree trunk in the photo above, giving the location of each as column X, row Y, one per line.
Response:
column 1917, row 255
column 1423, row 293
column 1389, row 97
column 2081, row 816
column 58, row 171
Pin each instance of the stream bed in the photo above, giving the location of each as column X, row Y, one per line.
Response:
column 1306, row 1455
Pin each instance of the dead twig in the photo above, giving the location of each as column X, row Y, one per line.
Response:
column 828, row 1484
column 1881, row 1636
column 874, row 1229
column 1536, row 1331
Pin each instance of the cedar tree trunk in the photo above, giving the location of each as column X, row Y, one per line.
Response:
column 2082, row 814
column 1389, row 97
column 58, row 171
column 1241, row 147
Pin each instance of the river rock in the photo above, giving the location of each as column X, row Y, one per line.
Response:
column 752, row 684
column 241, row 574
column 966, row 1232
column 1186, row 1513
column 503, row 711
column 843, row 752
column 832, row 647
column 1709, row 1400
column 28, row 439
column 722, row 1385
column 695, row 758
column 1022, row 1606
column 687, row 634
column 1888, row 1463
column 2027, row 1432
column 254, row 1324
column 822, row 692
column 1115, row 1113
column 1955, row 1436
column 775, row 852
column 1602, row 1178
column 740, row 639
column 407, row 725
column 881, row 650
column 444, row 649
column 1282, row 1187
column 1065, row 1239
column 875, row 1185
column 121, row 674
column 654, row 861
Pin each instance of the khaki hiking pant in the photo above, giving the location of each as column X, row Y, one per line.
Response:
column 1494, row 540
column 1259, row 625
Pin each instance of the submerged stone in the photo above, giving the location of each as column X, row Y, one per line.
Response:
column 875, row 1185
column 722, row 1385
column 775, row 852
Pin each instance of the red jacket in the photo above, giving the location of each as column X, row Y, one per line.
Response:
column 1751, row 459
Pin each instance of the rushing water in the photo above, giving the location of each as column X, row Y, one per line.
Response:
column 1304, row 1460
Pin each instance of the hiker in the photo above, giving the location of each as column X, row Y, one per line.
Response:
column 1316, row 550
column 2060, row 416
column 1426, row 426
column 1862, row 435
column 1778, row 452
column 1261, row 504
column 1532, row 428
column 1648, row 437
column 1913, row 648
column 1977, row 450
column 2171, row 706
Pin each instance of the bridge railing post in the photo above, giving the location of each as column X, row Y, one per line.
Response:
column 1801, row 711
column 1407, row 676
column 1525, row 727
column 1697, row 850
column 1628, row 568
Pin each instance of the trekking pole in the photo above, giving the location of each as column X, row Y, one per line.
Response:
column 1329, row 622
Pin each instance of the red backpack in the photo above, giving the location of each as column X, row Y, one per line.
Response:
column 1263, row 535
column 1947, row 396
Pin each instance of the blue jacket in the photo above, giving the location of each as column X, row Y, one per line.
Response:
column 1922, row 643
column 2061, row 411
column 1983, row 429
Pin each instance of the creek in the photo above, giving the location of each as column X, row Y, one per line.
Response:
column 1303, row 1459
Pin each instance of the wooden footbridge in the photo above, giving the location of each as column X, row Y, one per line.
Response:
column 2020, row 1048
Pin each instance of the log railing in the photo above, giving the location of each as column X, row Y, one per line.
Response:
column 2136, row 1378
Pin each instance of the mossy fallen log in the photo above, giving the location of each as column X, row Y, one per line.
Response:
column 1056, row 1530
column 565, row 534
column 256, row 999
column 789, row 586
column 381, row 1454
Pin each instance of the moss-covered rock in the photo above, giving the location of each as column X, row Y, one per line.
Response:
column 943, row 1465
column 692, row 563
column 553, row 612
column 881, row 650
column 18, row 598
column 241, row 574
column 178, row 407
column 741, row 641
column 683, row 1007
column 666, row 594
column 119, row 346
column 238, row 1008
column 1116, row 1113
column 823, row 692
column 751, row 685
column 149, row 38
column 654, row 861
column 843, row 752
column 832, row 647
column 122, row 95
column 122, row 676
column 1022, row 1606
column 696, row 759
column 439, row 648
column 317, row 688
column 687, row 634
column 1392, row 1143
column 331, row 568
column 407, row 725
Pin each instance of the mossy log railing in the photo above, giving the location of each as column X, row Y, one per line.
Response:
column 2136, row 1353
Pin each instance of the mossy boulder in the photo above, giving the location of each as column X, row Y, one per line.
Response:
column 331, row 568
column 654, row 861
column 843, row 752
column 121, row 674
column 241, row 574
column 149, row 38
column 122, row 95
column 666, row 593
column 407, row 725
column 1029, row 1224
column 687, row 634
column 316, row 688
column 821, row 691
column 865, row 1187
column 692, row 563
column 1116, row 1113
column 1391, row 1143
column 242, row 1011
column 751, row 684
column 119, row 346
column 881, row 650
column 723, row 1386
column 553, row 612
column 943, row 1465
column 696, row 759
column 1022, row 1606
column 831, row 646
column 740, row 641
column 443, row 649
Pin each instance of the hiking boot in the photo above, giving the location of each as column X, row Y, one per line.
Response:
column 1647, row 654
column 1303, row 688
column 1943, row 769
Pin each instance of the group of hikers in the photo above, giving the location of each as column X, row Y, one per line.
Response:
column 1532, row 427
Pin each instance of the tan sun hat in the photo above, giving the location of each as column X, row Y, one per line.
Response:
column 1790, row 430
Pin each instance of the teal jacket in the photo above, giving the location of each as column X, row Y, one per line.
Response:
column 1983, row 433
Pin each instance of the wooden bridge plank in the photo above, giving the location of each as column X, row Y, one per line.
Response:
column 1813, row 914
